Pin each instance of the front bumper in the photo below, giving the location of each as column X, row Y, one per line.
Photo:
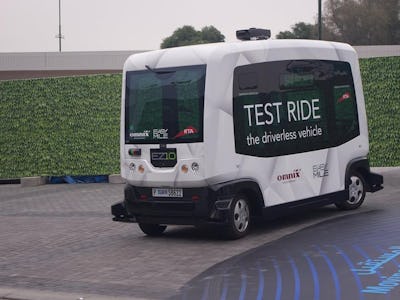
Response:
column 120, row 214
column 374, row 182
column 197, row 206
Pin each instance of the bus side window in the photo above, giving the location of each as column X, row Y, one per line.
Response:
column 346, row 118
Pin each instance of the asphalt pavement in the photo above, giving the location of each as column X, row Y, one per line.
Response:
column 58, row 242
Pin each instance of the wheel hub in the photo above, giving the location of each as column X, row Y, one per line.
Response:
column 241, row 215
column 356, row 190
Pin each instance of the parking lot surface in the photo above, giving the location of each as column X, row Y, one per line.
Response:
column 58, row 242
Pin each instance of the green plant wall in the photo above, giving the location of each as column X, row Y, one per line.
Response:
column 60, row 126
column 381, row 84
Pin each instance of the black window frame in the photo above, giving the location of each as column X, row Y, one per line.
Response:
column 338, row 73
column 161, row 71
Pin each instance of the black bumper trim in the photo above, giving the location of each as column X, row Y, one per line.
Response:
column 120, row 214
column 197, row 206
column 374, row 182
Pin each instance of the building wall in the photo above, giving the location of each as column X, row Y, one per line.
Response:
column 377, row 51
column 50, row 64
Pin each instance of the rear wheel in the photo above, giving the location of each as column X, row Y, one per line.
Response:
column 152, row 229
column 357, row 190
column 238, row 218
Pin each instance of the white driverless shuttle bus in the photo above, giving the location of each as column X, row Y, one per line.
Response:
column 221, row 133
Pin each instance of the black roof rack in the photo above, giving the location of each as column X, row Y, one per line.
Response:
column 253, row 34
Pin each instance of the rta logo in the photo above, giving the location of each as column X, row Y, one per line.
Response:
column 344, row 97
column 189, row 131
column 289, row 177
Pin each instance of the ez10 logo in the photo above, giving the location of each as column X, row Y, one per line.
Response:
column 163, row 156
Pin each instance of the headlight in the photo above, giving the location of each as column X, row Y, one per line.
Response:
column 195, row 167
column 141, row 169
column 184, row 169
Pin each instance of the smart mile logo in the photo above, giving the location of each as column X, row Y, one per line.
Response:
column 320, row 170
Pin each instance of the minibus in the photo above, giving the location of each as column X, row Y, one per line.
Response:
column 224, row 133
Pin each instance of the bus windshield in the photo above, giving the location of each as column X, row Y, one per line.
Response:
column 165, row 106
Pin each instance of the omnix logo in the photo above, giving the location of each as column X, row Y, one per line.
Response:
column 289, row 177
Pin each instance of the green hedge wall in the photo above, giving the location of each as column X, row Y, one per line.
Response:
column 381, row 84
column 60, row 126
column 70, row 125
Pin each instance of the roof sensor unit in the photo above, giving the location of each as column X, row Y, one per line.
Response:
column 253, row 34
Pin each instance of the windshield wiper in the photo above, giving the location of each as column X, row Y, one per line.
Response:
column 158, row 72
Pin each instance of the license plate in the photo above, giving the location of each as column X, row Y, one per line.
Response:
column 167, row 192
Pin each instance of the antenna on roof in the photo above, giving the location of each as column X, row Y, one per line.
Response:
column 253, row 34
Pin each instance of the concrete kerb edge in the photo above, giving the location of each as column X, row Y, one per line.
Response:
column 42, row 180
column 385, row 169
column 34, row 181
column 31, row 294
column 117, row 179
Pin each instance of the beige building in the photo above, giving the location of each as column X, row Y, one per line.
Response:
column 52, row 64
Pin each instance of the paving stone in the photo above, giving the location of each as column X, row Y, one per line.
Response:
column 60, row 238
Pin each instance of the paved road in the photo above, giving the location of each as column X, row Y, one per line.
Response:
column 351, row 257
column 58, row 242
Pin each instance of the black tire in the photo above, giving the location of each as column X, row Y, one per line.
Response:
column 357, row 189
column 238, row 218
column 152, row 229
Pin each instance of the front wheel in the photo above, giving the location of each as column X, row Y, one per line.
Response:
column 238, row 218
column 357, row 190
column 152, row 229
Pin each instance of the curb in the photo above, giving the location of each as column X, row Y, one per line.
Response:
column 19, row 294
column 33, row 181
column 117, row 179
column 385, row 169
column 10, row 181
column 42, row 180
